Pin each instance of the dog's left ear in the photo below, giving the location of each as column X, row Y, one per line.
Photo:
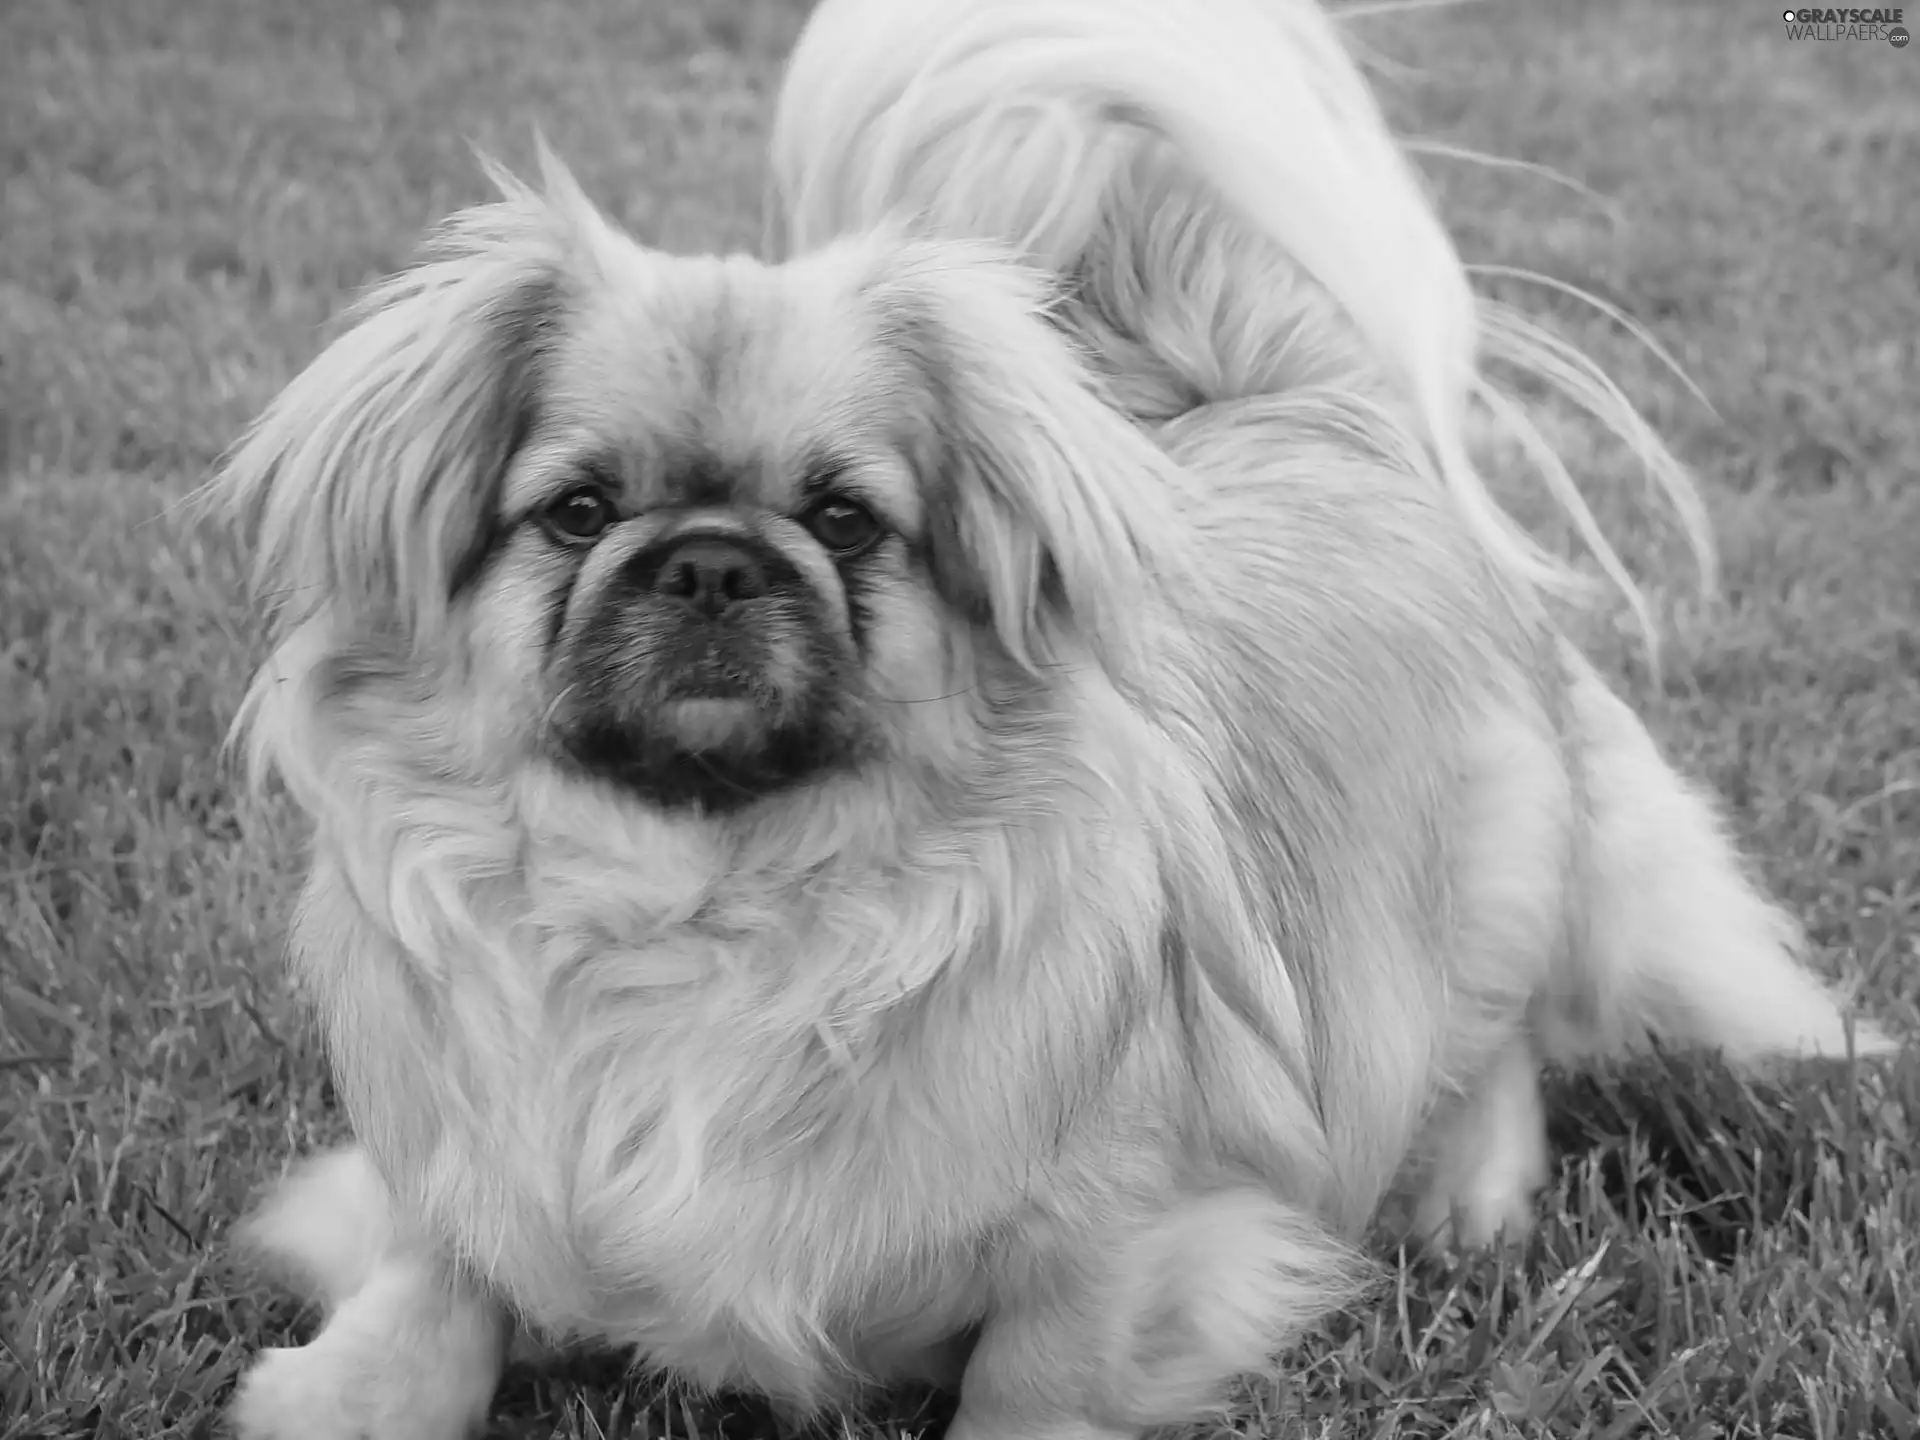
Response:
column 369, row 483
column 1045, row 503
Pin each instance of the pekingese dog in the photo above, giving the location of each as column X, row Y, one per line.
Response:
column 974, row 804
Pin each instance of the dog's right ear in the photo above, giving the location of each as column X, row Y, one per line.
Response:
column 370, row 482
column 1049, row 512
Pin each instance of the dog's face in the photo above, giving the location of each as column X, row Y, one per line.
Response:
column 707, row 564
column 709, row 640
column 704, row 529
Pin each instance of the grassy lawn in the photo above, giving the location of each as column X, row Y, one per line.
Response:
column 191, row 187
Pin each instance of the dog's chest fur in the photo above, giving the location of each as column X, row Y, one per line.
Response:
column 735, row 1116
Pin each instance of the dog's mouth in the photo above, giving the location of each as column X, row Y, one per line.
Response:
column 715, row 661
column 713, row 711
column 710, row 724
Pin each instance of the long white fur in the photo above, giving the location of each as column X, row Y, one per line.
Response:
column 1236, row 839
column 1231, row 155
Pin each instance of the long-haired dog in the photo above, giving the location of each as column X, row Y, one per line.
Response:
column 973, row 804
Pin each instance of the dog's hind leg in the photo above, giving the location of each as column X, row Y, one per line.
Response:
column 1482, row 1151
column 324, row 1227
column 1680, row 946
column 408, row 1351
column 1485, row 1157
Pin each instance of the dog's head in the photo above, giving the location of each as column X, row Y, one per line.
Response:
column 701, row 528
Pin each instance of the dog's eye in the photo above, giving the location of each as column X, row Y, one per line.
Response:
column 845, row 527
column 580, row 514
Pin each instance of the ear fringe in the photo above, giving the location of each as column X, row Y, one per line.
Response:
column 1053, row 493
column 1028, row 121
column 367, row 485
column 371, row 474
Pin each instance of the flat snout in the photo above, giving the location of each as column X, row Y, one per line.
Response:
column 710, row 573
column 701, row 668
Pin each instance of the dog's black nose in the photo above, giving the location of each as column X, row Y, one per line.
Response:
column 710, row 573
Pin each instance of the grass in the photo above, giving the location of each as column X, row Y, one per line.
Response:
column 190, row 189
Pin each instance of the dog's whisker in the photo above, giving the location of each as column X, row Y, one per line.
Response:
column 941, row 698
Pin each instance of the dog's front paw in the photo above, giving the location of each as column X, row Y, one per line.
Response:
column 308, row 1394
column 295, row 1394
column 410, row 1357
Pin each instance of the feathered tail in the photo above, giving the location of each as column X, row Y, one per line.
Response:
column 1220, row 194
